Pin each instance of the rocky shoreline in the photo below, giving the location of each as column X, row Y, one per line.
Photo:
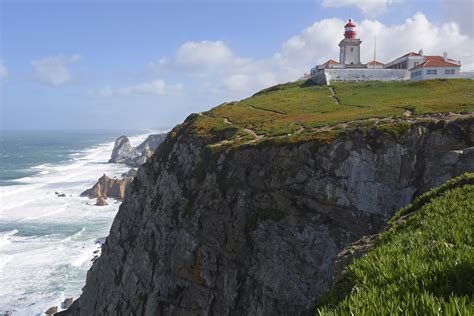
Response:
column 114, row 188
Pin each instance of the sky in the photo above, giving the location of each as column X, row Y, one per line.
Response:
column 83, row 64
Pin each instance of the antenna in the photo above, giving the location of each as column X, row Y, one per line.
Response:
column 375, row 48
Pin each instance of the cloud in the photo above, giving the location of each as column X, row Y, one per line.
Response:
column 203, row 54
column 461, row 12
column 368, row 7
column 53, row 70
column 102, row 92
column 155, row 87
column 3, row 72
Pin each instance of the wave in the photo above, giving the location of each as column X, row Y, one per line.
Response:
column 76, row 234
column 60, row 232
column 5, row 237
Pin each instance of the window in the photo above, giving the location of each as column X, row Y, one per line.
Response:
column 435, row 72
column 449, row 72
column 352, row 49
column 428, row 72
column 432, row 72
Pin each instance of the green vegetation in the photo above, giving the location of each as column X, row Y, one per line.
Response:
column 422, row 265
column 303, row 108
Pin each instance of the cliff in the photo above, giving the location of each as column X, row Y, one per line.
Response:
column 245, row 217
column 430, row 274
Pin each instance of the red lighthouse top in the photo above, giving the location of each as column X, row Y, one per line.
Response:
column 350, row 30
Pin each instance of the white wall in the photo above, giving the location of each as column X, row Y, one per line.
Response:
column 439, row 75
column 366, row 75
column 467, row 74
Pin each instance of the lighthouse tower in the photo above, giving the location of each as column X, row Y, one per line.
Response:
column 350, row 47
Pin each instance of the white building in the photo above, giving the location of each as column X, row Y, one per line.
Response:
column 436, row 67
column 407, row 61
column 414, row 66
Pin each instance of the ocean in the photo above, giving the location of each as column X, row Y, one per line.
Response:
column 47, row 241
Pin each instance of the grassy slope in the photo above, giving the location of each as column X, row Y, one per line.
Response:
column 423, row 266
column 287, row 108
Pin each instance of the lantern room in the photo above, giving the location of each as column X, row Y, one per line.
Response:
column 349, row 29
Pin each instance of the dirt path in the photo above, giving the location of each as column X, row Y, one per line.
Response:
column 333, row 95
column 273, row 111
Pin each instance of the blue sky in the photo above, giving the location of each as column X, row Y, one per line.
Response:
column 148, row 64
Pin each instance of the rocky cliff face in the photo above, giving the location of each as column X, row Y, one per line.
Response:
column 124, row 152
column 254, row 231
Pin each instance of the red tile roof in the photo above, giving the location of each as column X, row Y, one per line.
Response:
column 331, row 62
column 410, row 54
column 436, row 61
column 374, row 62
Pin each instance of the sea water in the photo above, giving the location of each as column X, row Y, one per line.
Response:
column 47, row 241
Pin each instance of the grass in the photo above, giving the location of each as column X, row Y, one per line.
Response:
column 421, row 266
column 282, row 110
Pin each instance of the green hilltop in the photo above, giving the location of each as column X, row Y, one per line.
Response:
column 423, row 264
column 302, row 110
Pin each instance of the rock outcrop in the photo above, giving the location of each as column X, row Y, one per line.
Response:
column 101, row 201
column 51, row 311
column 254, row 230
column 150, row 143
column 108, row 187
column 123, row 151
column 130, row 173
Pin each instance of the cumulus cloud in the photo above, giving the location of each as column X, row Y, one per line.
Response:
column 203, row 54
column 368, row 7
column 461, row 12
column 53, row 70
column 3, row 72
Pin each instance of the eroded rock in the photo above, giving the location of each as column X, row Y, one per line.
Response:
column 108, row 187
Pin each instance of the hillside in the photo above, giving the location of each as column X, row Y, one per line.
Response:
column 422, row 265
column 233, row 216
column 301, row 110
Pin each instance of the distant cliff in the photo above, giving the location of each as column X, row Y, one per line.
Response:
column 223, row 220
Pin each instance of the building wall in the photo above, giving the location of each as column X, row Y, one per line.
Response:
column 440, row 73
column 319, row 77
column 466, row 74
column 407, row 62
column 328, row 75
column 349, row 51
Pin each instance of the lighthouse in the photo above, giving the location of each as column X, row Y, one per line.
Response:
column 350, row 47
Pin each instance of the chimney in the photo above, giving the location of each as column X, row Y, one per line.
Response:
column 445, row 56
column 420, row 52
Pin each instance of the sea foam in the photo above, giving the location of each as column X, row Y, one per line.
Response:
column 47, row 241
